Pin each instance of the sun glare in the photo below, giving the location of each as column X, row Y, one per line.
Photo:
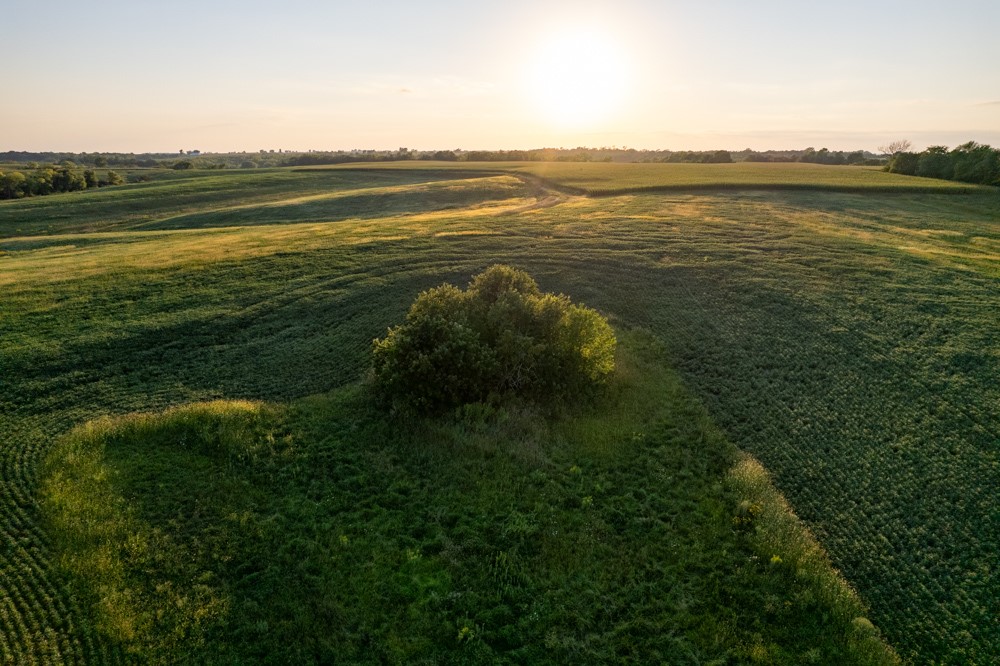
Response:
column 578, row 78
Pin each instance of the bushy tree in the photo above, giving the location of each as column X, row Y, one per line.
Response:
column 904, row 163
column 935, row 163
column 112, row 178
column 975, row 163
column 41, row 181
column 67, row 180
column 13, row 185
column 501, row 337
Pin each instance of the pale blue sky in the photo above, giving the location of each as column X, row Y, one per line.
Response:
column 214, row 75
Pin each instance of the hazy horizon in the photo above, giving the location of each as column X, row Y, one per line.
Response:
column 231, row 77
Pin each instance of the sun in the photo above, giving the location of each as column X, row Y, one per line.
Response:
column 578, row 78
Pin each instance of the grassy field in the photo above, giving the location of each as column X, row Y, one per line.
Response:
column 320, row 531
column 603, row 179
column 847, row 340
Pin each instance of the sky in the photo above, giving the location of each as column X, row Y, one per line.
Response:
column 219, row 76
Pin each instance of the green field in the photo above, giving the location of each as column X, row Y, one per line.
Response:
column 845, row 339
column 602, row 179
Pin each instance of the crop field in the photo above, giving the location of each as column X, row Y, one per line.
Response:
column 602, row 179
column 846, row 339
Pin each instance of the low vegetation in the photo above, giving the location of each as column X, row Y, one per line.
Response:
column 499, row 339
column 53, row 180
column 970, row 163
column 612, row 179
column 844, row 339
column 323, row 531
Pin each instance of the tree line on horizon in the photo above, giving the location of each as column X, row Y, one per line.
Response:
column 970, row 162
column 49, row 173
column 278, row 158
column 44, row 180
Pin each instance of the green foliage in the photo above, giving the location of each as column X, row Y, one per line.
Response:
column 612, row 179
column 970, row 163
column 935, row 163
column 322, row 531
column 904, row 163
column 848, row 341
column 48, row 180
column 114, row 492
column 13, row 185
column 500, row 338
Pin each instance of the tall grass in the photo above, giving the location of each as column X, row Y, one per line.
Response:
column 235, row 531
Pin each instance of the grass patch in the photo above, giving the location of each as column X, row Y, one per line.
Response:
column 323, row 531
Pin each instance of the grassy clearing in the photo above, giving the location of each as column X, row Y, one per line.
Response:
column 846, row 340
column 233, row 532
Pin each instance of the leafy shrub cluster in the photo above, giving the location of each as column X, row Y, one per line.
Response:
column 970, row 163
column 50, row 180
column 501, row 337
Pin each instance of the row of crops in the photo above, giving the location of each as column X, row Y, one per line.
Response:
column 866, row 383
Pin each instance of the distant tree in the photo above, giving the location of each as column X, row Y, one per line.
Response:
column 976, row 163
column 904, row 163
column 894, row 147
column 100, row 161
column 40, row 181
column 13, row 185
column 857, row 157
column 90, row 178
column 112, row 178
column 935, row 162
column 182, row 165
column 68, row 180
column 718, row 157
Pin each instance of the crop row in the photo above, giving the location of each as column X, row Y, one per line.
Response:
column 893, row 470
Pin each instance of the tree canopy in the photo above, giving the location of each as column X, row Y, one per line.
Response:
column 501, row 337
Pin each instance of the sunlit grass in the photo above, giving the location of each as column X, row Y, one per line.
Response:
column 325, row 530
column 846, row 340
column 601, row 178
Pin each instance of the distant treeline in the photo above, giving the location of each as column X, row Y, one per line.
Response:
column 99, row 160
column 49, row 180
column 970, row 163
column 45, row 173
column 582, row 154
column 813, row 156
column 194, row 159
